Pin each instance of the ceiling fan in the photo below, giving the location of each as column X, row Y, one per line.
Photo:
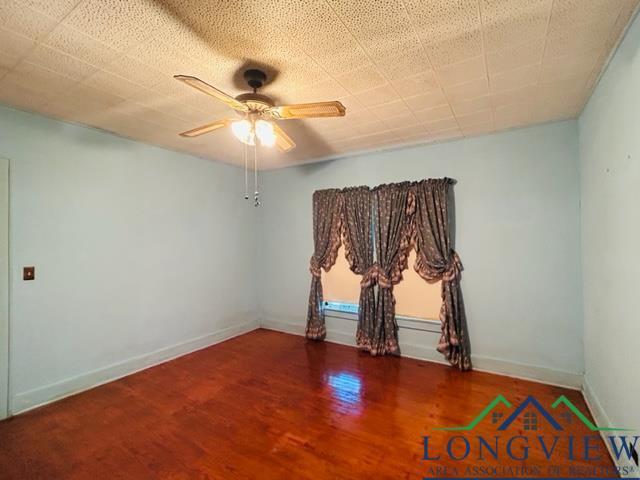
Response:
column 257, row 112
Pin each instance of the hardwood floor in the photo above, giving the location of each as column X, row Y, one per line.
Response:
column 269, row 405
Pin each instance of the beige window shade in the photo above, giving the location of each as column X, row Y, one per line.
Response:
column 414, row 296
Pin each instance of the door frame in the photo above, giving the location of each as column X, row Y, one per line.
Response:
column 4, row 288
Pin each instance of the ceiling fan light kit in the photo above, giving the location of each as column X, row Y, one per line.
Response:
column 258, row 114
column 243, row 131
column 247, row 130
column 265, row 133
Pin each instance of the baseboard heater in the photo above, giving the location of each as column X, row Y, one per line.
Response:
column 349, row 311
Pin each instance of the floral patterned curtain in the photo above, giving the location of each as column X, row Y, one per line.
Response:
column 359, row 252
column 393, row 211
column 387, row 221
column 436, row 260
column 327, row 218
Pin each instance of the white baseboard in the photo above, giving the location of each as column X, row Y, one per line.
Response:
column 285, row 327
column 602, row 420
column 536, row 373
column 22, row 402
column 480, row 363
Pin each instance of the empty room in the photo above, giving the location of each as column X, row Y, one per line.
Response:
column 319, row 239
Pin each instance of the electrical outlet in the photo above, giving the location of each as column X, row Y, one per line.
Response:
column 28, row 273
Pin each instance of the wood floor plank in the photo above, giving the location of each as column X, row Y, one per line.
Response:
column 270, row 405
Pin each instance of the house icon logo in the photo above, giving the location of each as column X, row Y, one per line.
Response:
column 534, row 414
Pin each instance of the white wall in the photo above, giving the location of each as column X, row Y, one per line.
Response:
column 610, row 192
column 140, row 253
column 517, row 207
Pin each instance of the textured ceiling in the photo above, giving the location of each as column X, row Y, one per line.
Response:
column 408, row 71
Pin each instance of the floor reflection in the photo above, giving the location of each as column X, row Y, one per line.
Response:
column 346, row 389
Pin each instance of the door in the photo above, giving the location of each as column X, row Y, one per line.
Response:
column 4, row 288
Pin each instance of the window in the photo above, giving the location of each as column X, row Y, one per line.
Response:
column 414, row 296
column 530, row 421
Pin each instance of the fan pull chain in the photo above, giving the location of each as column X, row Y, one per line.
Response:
column 256, row 196
column 246, row 173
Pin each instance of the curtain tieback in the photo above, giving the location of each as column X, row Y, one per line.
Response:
column 375, row 274
column 314, row 267
column 432, row 273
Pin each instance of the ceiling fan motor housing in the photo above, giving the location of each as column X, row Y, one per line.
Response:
column 255, row 101
column 255, row 78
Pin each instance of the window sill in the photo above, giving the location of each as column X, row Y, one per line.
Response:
column 348, row 311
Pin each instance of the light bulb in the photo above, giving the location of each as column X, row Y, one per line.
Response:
column 243, row 131
column 264, row 131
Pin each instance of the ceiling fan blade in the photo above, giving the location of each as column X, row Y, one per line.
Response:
column 283, row 141
column 308, row 110
column 214, row 92
column 209, row 127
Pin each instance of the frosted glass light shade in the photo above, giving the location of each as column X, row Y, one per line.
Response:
column 264, row 132
column 243, row 131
